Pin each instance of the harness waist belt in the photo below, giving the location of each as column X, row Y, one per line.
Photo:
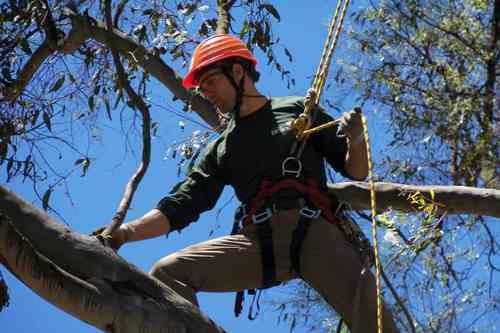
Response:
column 270, row 208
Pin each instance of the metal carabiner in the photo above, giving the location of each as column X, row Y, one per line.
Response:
column 285, row 170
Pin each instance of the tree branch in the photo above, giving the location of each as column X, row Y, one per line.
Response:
column 15, row 89
column 72, row 42
column 80, row 276
column 224, row 18
column 85, row 27
column 143, row 108
column 491, row 64
column 449, row 199
column 149, row 61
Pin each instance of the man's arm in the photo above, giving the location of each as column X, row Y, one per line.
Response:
column 152, row 224
column 356, row 161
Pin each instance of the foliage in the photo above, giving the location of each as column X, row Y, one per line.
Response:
column 430, row 66
column 75, row 94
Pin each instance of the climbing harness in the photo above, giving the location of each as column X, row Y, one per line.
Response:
column 260, row 214
column 303, row 130
column 311, row 204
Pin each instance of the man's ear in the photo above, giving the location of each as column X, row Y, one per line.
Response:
column 238, row 72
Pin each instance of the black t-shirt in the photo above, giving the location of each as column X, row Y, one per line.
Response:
column 249, row 150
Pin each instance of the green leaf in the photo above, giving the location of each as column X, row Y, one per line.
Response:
column 270, row 8
column 25, row 46
column 79, row 161
column 34, row 118
column 108, row 107
column 46, row 120
column 58, row 84
column 90, row 102
column 245, row 29
column 288, row 54
column 86, row 164
column 46, row 198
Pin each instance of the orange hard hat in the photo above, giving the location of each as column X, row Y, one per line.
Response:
column 212, row 50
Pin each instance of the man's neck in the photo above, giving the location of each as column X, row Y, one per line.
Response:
column 250, row 105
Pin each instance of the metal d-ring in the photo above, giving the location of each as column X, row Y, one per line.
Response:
column 293, row 170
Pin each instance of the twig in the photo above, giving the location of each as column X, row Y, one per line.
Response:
column 143, row 108
column 398, row 300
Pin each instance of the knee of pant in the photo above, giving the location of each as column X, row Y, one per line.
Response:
column 164, row 266
column 173, row 276
column 173, row 268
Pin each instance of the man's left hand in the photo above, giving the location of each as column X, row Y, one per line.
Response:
column 351, row 125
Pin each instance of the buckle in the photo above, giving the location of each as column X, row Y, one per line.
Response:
column 262, row 217
column 287, row 170
column 310, row 213
column 241, row 212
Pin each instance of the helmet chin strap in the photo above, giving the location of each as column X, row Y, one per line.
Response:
column 239, row 87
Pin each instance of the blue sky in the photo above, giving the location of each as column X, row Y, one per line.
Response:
column 95, row 197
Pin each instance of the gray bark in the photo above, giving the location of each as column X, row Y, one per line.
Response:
column 449, row 199
column 89, row 281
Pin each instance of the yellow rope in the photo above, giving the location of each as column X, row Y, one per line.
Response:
column 373, row 205
column 331, row 49
column 320, row 127
column 303, row 122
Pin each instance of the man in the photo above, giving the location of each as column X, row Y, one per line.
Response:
column 287, row 230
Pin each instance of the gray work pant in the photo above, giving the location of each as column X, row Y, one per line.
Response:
column 329, row 264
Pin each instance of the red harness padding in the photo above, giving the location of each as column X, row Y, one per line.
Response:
column 310, row 189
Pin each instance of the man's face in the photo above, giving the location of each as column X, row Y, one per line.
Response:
column 215, row 87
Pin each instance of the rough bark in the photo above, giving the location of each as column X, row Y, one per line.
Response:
column 80, row 276
column 449, row 199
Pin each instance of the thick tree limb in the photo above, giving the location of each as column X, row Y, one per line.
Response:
column 14, row 90
column 71, row 43
column 148, row 60
column 85, row 27
column 87, row 280
column 450, row 199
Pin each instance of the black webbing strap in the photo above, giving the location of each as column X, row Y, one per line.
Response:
column 238, row 302
column 265, row 235
column 298, row 237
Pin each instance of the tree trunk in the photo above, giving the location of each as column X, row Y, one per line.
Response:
column 89, row 281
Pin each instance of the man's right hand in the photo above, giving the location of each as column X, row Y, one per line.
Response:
column 115, row 240
column 152, row 224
